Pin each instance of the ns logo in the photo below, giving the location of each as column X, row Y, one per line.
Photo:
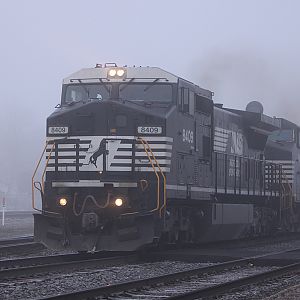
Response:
column 237, row 143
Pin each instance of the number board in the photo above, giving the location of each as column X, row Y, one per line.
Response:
column 150, row 130
column 58, row 130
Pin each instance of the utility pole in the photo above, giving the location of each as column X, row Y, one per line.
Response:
column 3, row 210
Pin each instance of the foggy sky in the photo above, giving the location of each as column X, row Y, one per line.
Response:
column 242, row 50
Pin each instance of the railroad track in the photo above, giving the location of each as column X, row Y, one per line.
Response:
column 16, row 240
column 195, row 283
column 19, row 245
column 27, row 267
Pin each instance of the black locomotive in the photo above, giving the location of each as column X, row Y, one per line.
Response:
column 136, row 156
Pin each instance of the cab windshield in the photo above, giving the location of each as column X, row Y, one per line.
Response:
column 139, row 92
column 285, row 135
column 146, row 92
column 85, row 92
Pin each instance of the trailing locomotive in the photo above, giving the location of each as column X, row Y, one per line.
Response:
column 136, row 156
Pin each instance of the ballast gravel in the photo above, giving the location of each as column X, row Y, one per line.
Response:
column 54, row 283
column 179, row 288
column 51, row 284
column 282, row 288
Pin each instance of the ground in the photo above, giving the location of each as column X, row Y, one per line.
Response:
column 16, row 224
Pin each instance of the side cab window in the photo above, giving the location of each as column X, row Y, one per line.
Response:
column 186, row 100
column 203, row 115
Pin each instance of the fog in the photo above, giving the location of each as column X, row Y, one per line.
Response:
column 238, row 76
column 242, row 50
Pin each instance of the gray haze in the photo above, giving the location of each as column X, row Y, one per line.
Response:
column 242, row 50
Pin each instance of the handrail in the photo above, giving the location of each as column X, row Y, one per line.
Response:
column 286, row 199
column 46, row 165
column 288, row 193
column 158, row 181
column 164, row 178
column 42, row 186
column 32, row 179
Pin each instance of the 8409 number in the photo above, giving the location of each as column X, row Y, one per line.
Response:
column 58, row 130
column 149, row 130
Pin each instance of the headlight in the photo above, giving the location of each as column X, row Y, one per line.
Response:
column 63, row 201
column 116, row 73
column 112, row 72
column 120, row 72
column 119, row 202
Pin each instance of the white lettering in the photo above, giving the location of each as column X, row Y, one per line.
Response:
column 236, row 143
column 149, row 130
column 58, row 130
column 187, row 136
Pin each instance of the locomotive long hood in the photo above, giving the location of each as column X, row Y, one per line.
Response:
column 260, row 122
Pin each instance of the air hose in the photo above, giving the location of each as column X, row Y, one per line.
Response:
column 85, row 201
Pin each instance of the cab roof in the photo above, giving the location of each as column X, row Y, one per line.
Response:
column 139, row 74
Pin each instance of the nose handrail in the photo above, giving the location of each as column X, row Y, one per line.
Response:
column 148, row 150
column 33, row 183
column 46, row 165
column 158, row 207
column 33, row 176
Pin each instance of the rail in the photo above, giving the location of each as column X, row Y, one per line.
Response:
column 241, row 175
column 30, row 266
column 46, row 165
column 42, row 183
column 146, row 148
column 286, row 199
column 33, row 177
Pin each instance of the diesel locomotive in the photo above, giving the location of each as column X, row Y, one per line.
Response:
column 136, row 156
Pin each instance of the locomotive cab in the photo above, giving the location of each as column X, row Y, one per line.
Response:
column 107, row 159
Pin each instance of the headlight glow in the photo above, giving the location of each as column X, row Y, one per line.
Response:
column 112, row 72
column 120, row 72
column 63, row 201
column 119, row 202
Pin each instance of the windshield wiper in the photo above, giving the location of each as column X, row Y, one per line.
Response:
column 125, row 85
column 133, row 102
column 146, row 88
column 151, row 85
column 105, row 86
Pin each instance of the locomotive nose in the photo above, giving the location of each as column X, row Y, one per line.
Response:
column 99, row 118
column 83, row 119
